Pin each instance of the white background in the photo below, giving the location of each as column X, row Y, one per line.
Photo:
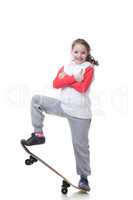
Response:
column 35, row 40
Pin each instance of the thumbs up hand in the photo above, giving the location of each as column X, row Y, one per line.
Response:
column 79, row 76
column 62, row 74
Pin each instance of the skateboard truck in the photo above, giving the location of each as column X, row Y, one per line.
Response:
column 30, row 161
column 64, row 187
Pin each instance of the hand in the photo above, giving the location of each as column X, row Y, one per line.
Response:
column 80, row 76
column 61, row 75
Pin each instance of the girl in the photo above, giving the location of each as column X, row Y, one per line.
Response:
column 74, row 80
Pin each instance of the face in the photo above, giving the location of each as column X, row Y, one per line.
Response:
column 79, row 53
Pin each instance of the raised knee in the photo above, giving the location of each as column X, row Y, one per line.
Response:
column 35, row 99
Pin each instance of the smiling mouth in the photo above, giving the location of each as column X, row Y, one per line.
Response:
column 79, row 60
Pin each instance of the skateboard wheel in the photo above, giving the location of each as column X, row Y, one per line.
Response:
column 64, row 190
column 28, row 162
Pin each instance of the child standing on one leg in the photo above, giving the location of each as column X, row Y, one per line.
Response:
column 74, row 80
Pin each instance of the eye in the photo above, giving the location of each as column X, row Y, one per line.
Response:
column 75, row 52
column 83, row 53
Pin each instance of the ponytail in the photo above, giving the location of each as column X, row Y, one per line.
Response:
column 92, row 60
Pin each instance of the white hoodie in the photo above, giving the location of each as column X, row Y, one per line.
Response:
column 74, row 103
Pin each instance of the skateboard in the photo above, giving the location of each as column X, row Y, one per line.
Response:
column 65, row 183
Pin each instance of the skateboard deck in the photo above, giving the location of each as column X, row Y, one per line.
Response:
column 65, row 184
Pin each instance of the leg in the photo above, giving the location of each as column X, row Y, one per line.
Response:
column 48, row 105
column 79, row 131
column 38, row 105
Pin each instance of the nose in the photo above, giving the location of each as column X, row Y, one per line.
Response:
column 79, row 55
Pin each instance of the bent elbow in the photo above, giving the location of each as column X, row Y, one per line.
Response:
column 55, row 85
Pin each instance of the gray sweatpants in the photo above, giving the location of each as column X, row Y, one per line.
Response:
column 79, row 129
